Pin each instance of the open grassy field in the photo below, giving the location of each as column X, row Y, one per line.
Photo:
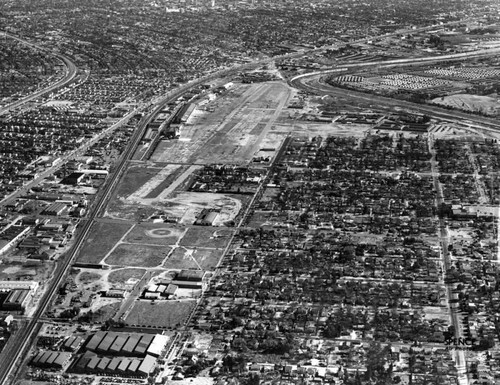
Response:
column 154, row 234
column 86, row 277
column 103, row 237
column 164, row 314
column 121, row 276
column 135, row 177
column 127, row 254
column 181, row 258
column 207, row 258
column 105, row 312
column 211, row 237
column 167, row 181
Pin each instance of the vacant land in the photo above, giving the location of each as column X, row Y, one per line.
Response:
column 485, row 104
column 103, row 237
column 135, row 178
column 207, row 259
column 197, row 259
column 122, row 276
column 127, row 254
column 167, row 180
column 35, row 270
column 154, row 234
column 234, row 134
column 166, row 314
column 181, row 258
column 86, row 277
column 104, row 313
column 210, row 237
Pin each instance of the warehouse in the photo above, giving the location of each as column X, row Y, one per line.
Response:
column 123, row 365
column 106, row 343
column 17, row 299
column 120, row 344
column 147, row 366
column 51, row 360
column 113, row 365
column 95, row 340
column 134, row 365
column 55, row 209
column 130, row 345
column 157, row 345
column 73, row 343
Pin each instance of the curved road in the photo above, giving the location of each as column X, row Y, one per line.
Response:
column 23, row 339
column 70, row 74
column 314, row 82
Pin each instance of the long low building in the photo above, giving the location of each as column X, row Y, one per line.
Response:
column 17, row 299
column 126, row 344
column 91, row 363
column 51, row 360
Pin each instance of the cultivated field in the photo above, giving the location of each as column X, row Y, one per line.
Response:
column 103, row 237
column 162, row 314
column 127, row 254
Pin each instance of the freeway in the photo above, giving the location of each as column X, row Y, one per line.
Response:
column 314, row 82
column 69, row 75
column 23, row 339
column 25, row 335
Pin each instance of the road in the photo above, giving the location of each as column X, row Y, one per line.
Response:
column 70, row 74
column 314, row 82
column 23, row 339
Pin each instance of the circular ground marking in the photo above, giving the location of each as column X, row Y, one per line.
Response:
column 159, row 233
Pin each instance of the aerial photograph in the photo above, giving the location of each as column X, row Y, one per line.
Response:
column 252, row 192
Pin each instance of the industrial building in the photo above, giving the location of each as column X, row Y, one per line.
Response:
column 125, row 344
column 17, row 299
column 16, row 295
column 51, row 360
column 90, row 363
column 73, row 343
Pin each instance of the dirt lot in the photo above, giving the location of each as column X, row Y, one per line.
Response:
column 101, row 240
column 487, row 104
column 165, row 314
column 127, row 254
column 34, row 270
